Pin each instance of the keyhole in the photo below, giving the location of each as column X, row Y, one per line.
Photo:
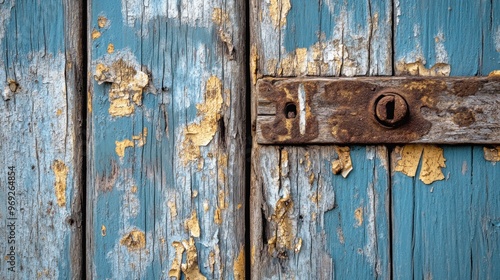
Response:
column 389, row 109
column 290, row 111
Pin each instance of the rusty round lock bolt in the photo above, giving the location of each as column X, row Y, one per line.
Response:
column 391, row 109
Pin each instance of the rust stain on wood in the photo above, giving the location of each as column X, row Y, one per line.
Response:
column 201, row 133
column 134, row 240
column 61, row 174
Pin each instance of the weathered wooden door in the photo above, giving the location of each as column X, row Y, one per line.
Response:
column 363, row 212
column 125, row 135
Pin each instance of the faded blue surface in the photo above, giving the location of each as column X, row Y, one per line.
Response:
column 360, row 251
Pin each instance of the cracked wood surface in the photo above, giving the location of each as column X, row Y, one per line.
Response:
column 41, row 80
column 449, row 229
column 307, row 222
column 166, row 129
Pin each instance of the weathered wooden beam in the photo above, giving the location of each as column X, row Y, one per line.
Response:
column 364, row 110
column 41, row 155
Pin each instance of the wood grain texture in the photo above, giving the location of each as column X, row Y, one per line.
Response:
column 342, row 110
column 448, row 230
column 41, row 80
column 306, row 222
column 166, row 131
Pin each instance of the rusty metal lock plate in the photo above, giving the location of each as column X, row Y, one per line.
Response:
column 378, row 110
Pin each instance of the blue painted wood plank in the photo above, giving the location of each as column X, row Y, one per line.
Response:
column 317, row 225
column 41, row 139
column 440, row 230
column 166, row 135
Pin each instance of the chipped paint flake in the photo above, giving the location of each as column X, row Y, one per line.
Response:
column 298, row 246
column 192, row 225
column 285, row 231
column 410, row 157
column 218, row 216
column 358, row 215
column 134, row 240
column 343, row 164
column 492, row 153
column 140, row 140
column 103, row 230
column 278, row 10
column 61, row 174
column 175, row 269
column 102, row 21
column 127, row 82
column 95, row 34
column 219, row 16
column 239, row 265
column 121, row 146
column 432, row 162
column 201, row 133
column 89, row 102
column 418, row 69
column 173, row 208
column 191, row 269
column 494, row 73
column 111, row 48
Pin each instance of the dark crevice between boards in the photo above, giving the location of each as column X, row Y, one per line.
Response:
column 248, row 139
column 393, row 35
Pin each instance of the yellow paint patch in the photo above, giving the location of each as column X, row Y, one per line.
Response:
column 285, row 230
column 191, row 269
column 173, row 208
column 134, row 189
column 140, row 140
column 239, row 265
column 192, row 225
column 127, row 84
column 95, row 34
column 343, row 164
column 418, row 69
column 58, row 112
column 61, row 174
column 218, row 216
column 252, row 255
column 432, row 162
column 121, row 146
column 492, row 154
column 103, row 230
column 219, row 17
column 111, row 48
column 410, row 157
column 254, row 64
column 175, row 269
column 298, row 246
column 494, row 73
column 358, row 215
column 134, row 240
column 200, row 134
column 278, row 10
column 102, row 21
column 89, row 102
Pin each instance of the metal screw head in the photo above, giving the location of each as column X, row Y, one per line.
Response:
column 391, row 109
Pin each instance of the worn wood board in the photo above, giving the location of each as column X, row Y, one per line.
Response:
column 41, row 155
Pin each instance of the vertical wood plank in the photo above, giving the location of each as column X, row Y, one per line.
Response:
column 166, row 137
column 306, row 222
column 446, row 230
column 41, row 80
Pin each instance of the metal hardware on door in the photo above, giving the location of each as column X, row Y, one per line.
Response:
column 378, row 110
column 390, row 108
